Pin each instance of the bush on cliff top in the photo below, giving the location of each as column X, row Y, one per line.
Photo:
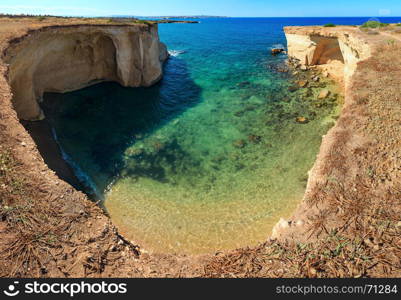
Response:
column 330, row 25
column 373, row 24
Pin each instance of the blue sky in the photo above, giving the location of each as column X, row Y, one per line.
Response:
column 234, row 8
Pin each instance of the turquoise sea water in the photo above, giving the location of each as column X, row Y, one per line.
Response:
column 211, row 157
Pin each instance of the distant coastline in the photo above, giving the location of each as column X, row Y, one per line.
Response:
column 172, row 17
column 168, row 21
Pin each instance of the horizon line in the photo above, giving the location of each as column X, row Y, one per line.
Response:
column 192, row 16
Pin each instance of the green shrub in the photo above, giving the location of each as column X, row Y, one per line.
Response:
column 391, row 42
column 142, row 22
column 399, row 24
column 373, row 24
column 330, row 25
column 41, row 18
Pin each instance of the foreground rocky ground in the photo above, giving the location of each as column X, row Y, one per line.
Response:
column 352, row 228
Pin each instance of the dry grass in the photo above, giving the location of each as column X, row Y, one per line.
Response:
column 72, row 20
column 370, row 246
column 47, row 231
column 35, row 224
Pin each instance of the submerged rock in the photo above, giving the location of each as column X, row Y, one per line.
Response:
column 253, row 107
column 136, row 152
column 302, row 120
column 292, row 88
column 244, row 83
column 324, row 94
column 255, row 139
column 239, row 113
column 302, row 83
column 158, row 146
column 282, row 69
column 239, row 144
column 254, row 100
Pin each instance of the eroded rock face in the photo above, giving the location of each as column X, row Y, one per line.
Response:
column 66, row 58
column 335, row 50
column 164, row 55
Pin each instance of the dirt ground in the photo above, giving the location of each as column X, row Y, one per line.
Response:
column 353, row 228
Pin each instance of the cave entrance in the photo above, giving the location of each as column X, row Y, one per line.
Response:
column 327, row 51
column 328, row 56
column 77, row 62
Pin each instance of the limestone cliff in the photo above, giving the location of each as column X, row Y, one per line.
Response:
column 335, row 50
column 367, row 65
column 66, row 58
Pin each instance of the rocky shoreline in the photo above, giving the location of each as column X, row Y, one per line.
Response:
column 303, row 58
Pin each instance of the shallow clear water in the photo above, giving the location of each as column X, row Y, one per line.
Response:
column 211, row 157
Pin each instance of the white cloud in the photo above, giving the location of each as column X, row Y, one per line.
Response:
column 384, row 12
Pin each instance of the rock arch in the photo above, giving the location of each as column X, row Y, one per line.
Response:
column 327, row 50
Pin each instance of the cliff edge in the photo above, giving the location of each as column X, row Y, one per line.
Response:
column 346, row 172
column 61, row 58
column 335, row 50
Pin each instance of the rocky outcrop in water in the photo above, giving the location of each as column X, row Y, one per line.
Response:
column 66, row 58
column 276, row 51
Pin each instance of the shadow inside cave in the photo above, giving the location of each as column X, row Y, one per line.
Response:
column 327, row 49
column 86, row 132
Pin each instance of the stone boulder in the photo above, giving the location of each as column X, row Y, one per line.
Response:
column 276, row 51
column 324, row 94
column 302, row 83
